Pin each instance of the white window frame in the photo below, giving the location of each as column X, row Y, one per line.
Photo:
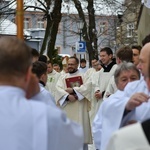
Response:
column 40, row 23
column 130, row 29
column 103, row 27
column 26, row 23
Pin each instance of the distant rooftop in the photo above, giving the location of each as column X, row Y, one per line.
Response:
column 9, row 28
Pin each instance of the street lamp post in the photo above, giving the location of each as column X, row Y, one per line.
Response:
column 80, row 33
column 80, row 25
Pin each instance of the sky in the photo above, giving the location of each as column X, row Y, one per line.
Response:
column 102, row 7
column 105, row 7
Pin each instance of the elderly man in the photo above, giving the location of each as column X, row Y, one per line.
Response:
column 103, row 122
column 134, row 106
column 26, row 124
column 136, row 136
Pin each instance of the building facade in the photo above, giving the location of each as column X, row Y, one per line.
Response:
column 127, row 23
column 68, row 33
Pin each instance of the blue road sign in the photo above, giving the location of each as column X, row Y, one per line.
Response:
column 81, row 47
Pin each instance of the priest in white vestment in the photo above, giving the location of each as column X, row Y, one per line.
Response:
column 52, row 79
column 135, row 95
column 75, row 101
column 137, row 136
column 117, row 108
column 104, row 123
column 40, row 69
column 100, row 79
column 135, row 105
column 123, row 54
column 64, row 65
column 129, row 138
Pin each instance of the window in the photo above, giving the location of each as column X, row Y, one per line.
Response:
column 103, row 27
column 130, row 29
column 26, row 23
column 40, row 23
column 70, row 26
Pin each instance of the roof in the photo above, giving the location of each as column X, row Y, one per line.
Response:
column 9, row 28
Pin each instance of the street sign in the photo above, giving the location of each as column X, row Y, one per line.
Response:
column 81, row 47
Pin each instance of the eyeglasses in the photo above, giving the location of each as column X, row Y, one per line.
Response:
column 135, row 54
column 72, row 64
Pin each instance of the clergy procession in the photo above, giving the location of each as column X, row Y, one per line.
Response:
column 103, row 107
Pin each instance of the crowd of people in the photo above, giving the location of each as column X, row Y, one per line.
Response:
column 46, row 108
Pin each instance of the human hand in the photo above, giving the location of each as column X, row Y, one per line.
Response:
column 33, row 86
column 69, row 90
column 72, row 98
column 136, row 100
column 107, row 94
column 131, row 122
column 98, row 94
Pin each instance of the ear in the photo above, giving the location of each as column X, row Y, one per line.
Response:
column 32, row 86
column 148, row 83
column 110, row 56
column 28, row 76
column 42, row 77
column 118, row 60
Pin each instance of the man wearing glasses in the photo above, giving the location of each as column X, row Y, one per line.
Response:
column 73, row 96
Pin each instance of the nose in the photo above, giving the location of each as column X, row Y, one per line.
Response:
column 129, row 80
column 101, row 59
column 139, row 66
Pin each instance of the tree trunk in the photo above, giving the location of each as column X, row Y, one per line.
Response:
column 56, row 18
column 47, row 34
column 88, row 37
column 92, row 28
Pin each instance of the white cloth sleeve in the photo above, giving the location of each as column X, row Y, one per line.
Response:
column 62, row 101
column 63, row 133
column 126, row 138
column 80, row 97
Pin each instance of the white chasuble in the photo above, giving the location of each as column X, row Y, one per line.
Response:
column 77, row 111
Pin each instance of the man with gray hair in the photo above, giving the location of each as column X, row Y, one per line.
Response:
column 139, row 137
column 135, row 105
column 103, row 125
